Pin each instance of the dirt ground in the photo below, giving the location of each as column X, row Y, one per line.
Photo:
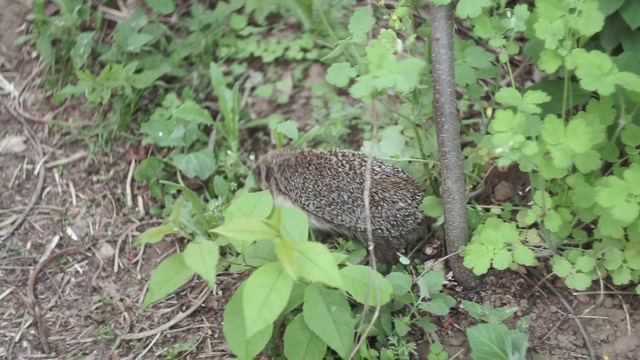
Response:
column 71, row 283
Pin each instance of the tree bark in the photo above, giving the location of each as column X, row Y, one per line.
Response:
column 456, row 231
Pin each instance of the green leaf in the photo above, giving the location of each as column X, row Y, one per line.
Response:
column 439, row 304
column 360, row 23
column 288, row 128
column 588, row 161
column 432, row 206
column 287, row 256
column 191, row 111
column 301, row 343
column 265, row 295
column 578, row 281
column 170, row 275
column 136, row 41
column 630, row 12
column 163, row 7
column 294, row 224
column 235, row 331
column 203, row 258
column 339, row 74
column 580, row 136
column 630, row 135
column 621, row 276
column 478, row 258
column 553, row 130
column 595, row 70
column 585, row 263
column 549, row 62
column 316, row 264
column 200, row 164
column 155, row 234
column 524, row 256
column 258, row 204
column 527, row 103
column 496, row 341
column 366, row 285
column 400, row 282
column 430, row 283
column 246, row 229
column 471, row 8
column 561, row 266
column 328, row 315
column 82, row 49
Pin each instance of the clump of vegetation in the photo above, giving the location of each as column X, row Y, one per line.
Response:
column 575, row 133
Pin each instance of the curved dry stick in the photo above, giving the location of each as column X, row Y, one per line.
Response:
column 583, row 331
column 31, row 300
column 41, row 173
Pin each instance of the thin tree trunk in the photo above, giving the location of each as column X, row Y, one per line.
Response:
column 456, row 231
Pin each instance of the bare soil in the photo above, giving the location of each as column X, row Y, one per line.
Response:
column 71, row 283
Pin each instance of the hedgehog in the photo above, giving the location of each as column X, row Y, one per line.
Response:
column 328, row 185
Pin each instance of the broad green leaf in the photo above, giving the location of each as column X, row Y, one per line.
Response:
column 561, row 266
column 630, row 11
column 524, row 256
column 579, row 135
column 430, row 283
column 621, row 276
column 136, row 41
column 246, row 229
column 155, row 234
column 170, row 275
column 478, row 258
column 439, row 304
column 629, row 81
column 366, row 285
column 316, row 264
column 193, row 112
column 432, row 206
column 400, row 282
column 82, row 49
column 339, row 74
column 588, row 161
column 400, row 327
column 200, row 164
column 301, row 343
column 595, row 70
column 553, row 130
column 288, row 128
column 294, row 224
column 258, row 204
column 360, row 23
column 235, row 331
column 496, row 341
column 630, row 135
column 287, row 256
column 549, row 61
column 613, row 258
column 585, row 263
column 163, row 7
column 202, row 258
column 327, row 313
column 471, row 8
column 608, row 7
column 265, row 295
column 578, row 281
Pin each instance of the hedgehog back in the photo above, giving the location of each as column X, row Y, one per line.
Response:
column 329, row 184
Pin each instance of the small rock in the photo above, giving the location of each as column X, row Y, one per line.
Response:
column 607, row 302
column 106, row 251
column 585, row 299
column 503, row 191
